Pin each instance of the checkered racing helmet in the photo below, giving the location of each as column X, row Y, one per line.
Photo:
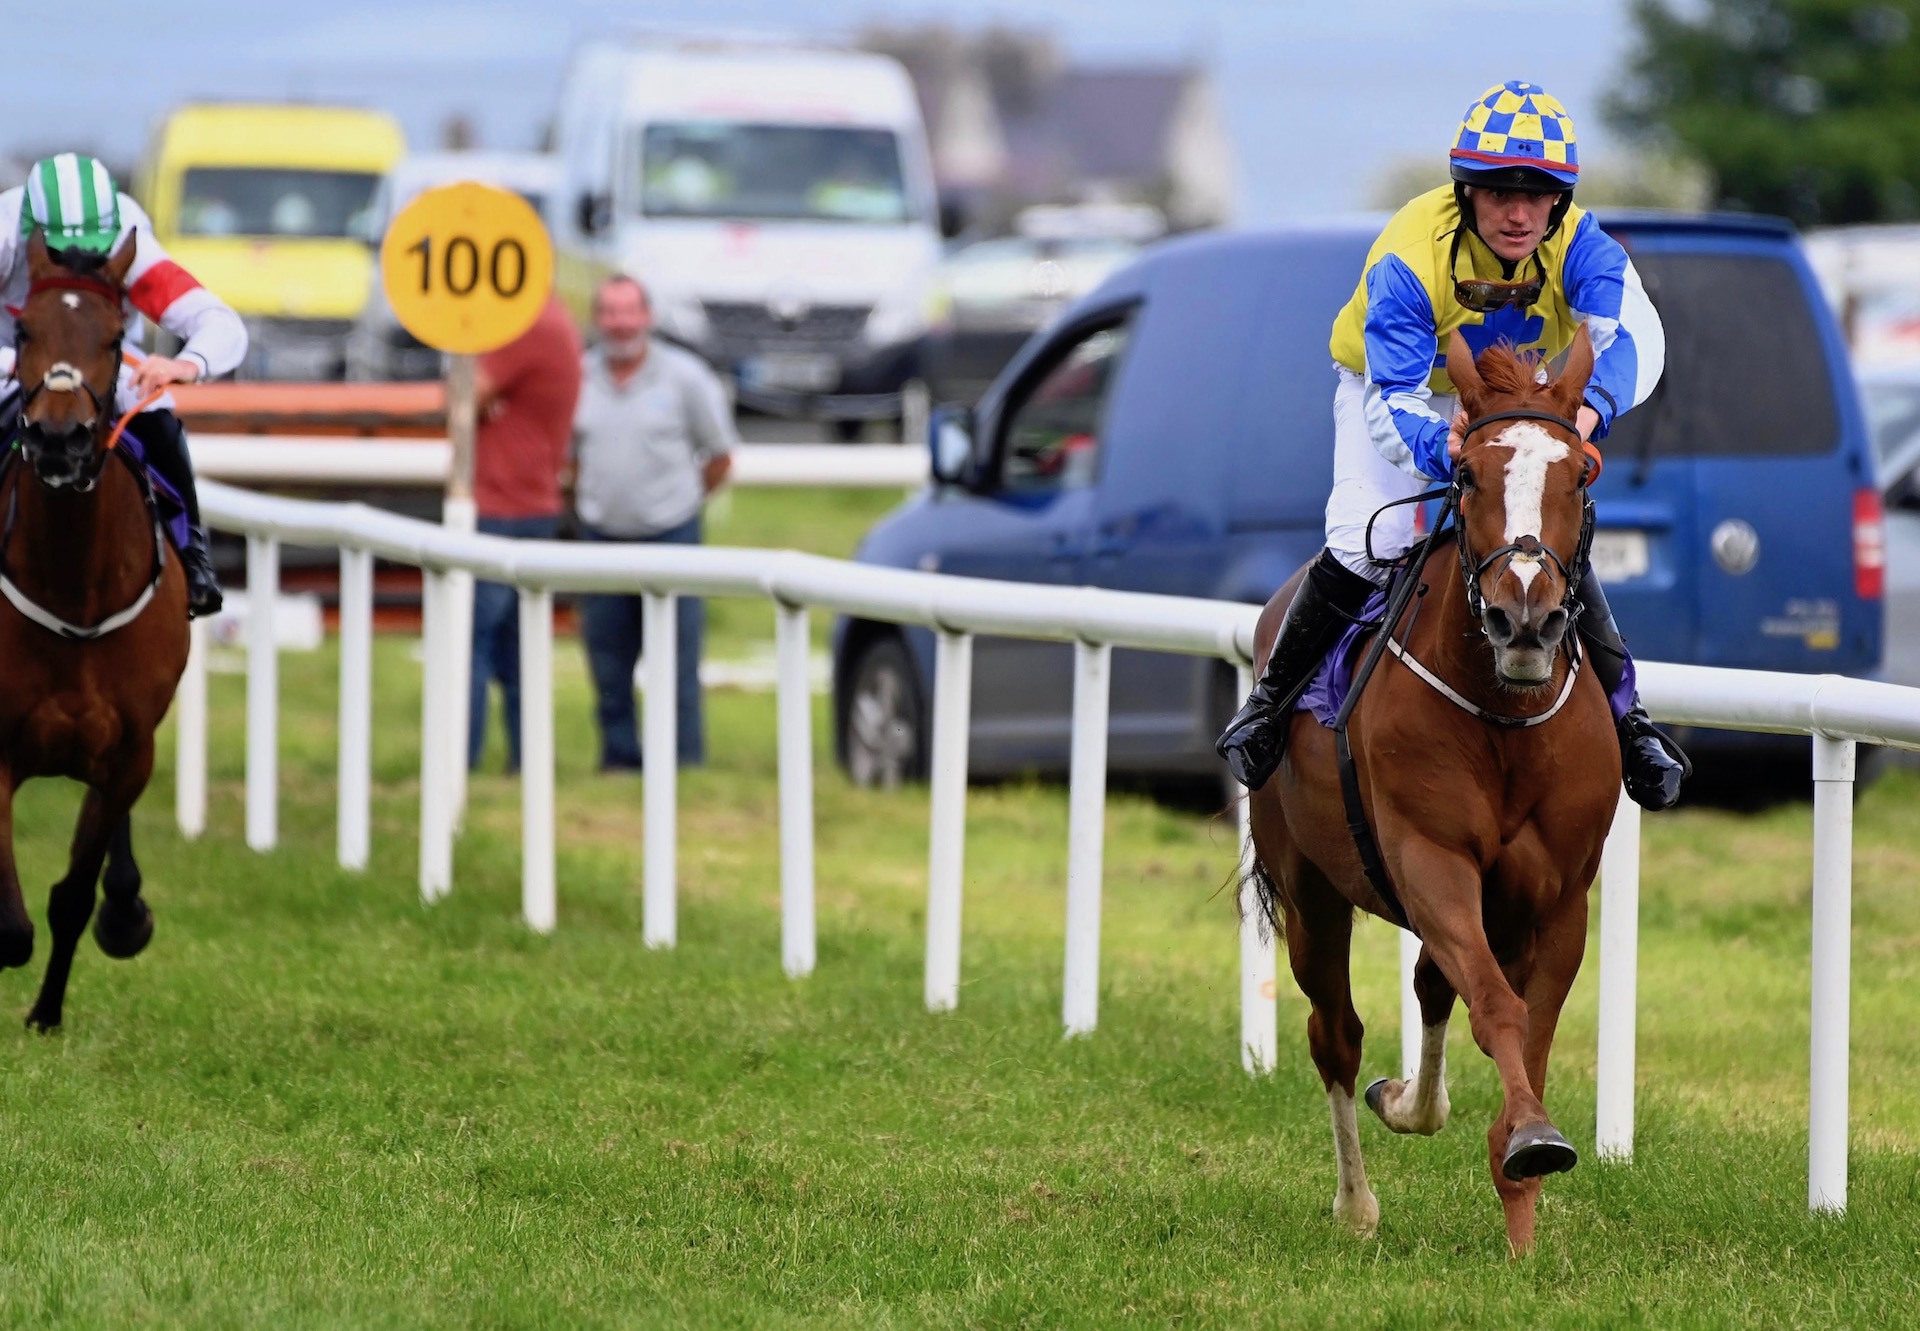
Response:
column 1516, row 136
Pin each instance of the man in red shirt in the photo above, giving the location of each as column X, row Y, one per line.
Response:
column 527, row 392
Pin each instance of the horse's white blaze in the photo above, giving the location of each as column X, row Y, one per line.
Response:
column 63, row 378
column 1534, row 451
column 70, row 300
column 1524, row 569
column 1353, row 1201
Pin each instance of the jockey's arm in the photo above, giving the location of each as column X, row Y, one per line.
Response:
column 1401, row 338
column 1629, row 344
column 213, row 337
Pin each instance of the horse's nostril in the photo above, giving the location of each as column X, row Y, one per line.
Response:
column 1554, row 626
column 1499, row 624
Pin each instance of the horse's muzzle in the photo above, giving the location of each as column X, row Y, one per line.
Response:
column 1524, row 647
column 63, row 457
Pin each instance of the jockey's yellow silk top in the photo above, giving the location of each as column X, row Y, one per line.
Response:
column 1394, row 330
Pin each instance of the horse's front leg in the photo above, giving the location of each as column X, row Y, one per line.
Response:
column 1421, row 1105
column 16, row 926
column 1555, row 957
column 102, row 814
column 1443, row 898
column 124, row 926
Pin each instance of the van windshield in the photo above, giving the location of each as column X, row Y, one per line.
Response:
column 1746, row 369
column 719, row 168
column 275, row 201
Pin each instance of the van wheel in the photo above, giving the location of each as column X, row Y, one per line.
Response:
column 884, row 727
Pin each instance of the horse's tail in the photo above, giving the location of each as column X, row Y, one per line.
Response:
column 1266, row 896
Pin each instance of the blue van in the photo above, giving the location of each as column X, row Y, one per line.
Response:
column 1172, row 432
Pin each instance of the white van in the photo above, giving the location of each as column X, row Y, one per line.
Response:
column 778, row 202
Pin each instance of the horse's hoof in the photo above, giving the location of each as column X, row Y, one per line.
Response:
column 43, row 1023
column 1375, row 1095
column 16, row 949
column 1536, row 1150
column 123, row 934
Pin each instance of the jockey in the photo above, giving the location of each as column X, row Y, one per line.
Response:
column 1501, row 254
column 73, row 200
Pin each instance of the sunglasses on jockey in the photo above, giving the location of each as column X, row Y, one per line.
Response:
column 1483, row 295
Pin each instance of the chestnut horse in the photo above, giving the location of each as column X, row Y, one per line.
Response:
column 93, row 626
column 1489, row 830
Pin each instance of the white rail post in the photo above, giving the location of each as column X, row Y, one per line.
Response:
column 1833, row 767
column 1613, row 1069
column 436, row 703
column 263, row 692
column 190, row 737
column 1259, row 1015
column 1410, row 1026
column 793, row 644
column 947, row 831
column 1086, row 831
column 459, row 690
column 537, row 892
column 353, row 822
column 660, row 756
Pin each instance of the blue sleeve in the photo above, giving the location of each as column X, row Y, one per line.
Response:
column 1629, row 344
column 1401, row 344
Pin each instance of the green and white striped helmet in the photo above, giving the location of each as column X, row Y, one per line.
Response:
column 73, row 198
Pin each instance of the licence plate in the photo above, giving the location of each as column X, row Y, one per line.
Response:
column 1620, row 555
column 797, row 371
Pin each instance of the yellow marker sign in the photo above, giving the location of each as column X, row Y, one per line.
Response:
column 467, row 267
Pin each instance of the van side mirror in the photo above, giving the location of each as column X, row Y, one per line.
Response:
column 953, row 218
column 593, row 212
column 950, row 440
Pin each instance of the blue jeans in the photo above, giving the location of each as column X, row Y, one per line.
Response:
column 611, row 626
column 496, row 643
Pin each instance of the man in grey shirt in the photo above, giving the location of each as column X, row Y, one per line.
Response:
column 653, row 437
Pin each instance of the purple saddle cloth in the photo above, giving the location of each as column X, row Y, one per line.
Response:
column 1327, row 690
column 173, row 511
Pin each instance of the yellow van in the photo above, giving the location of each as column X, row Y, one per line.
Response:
column 271, row 206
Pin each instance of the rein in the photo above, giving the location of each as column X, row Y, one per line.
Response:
column 44, row 617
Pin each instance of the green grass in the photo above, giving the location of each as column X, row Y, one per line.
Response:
column 315, row 1103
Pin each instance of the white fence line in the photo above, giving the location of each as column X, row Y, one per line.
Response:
column 1837, row 712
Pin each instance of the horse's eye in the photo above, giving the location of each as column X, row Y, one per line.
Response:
column 1466, row 478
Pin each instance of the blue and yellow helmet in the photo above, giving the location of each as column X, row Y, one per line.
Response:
column 1516, row 136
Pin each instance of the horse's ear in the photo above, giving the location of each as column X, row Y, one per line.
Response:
column 39, row 260
column 1571, row 386
column 1461, row 369
column 116, row 267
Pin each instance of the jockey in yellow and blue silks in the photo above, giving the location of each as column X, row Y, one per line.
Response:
column 1500, row 254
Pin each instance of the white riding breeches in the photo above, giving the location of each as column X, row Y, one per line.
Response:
column 1363, row 480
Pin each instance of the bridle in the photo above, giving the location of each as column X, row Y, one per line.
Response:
column 64, row 378
column 1572, row 571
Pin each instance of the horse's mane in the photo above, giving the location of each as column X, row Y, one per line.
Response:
column 82, row 263
column 1509, row 371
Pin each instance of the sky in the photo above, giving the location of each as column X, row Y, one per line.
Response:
column 1319, row 99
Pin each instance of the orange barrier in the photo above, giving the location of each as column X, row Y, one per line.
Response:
column 414, row 410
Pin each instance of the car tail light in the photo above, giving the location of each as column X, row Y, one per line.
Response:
column 1869, row 545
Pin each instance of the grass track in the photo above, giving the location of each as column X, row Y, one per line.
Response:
column 313, row 1103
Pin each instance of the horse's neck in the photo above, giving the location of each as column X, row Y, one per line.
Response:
column 1447, row 639
column 81, row 556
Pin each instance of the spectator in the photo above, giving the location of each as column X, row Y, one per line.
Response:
column 527, row 391
column 653, row 438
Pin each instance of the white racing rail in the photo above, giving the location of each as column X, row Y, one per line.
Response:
column 1836, row 712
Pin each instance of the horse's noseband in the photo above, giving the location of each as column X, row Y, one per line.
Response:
column 1572, row 572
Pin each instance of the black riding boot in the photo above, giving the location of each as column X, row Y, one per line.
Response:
column 1651, row 763
column 165, row 441
column 1327, row 601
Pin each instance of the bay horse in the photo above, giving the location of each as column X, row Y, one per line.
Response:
column 93, row 626
column 1489, row 821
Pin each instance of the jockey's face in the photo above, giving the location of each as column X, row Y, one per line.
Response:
column 1512, row 222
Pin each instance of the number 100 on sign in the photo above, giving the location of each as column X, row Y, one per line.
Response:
column 467, row 267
